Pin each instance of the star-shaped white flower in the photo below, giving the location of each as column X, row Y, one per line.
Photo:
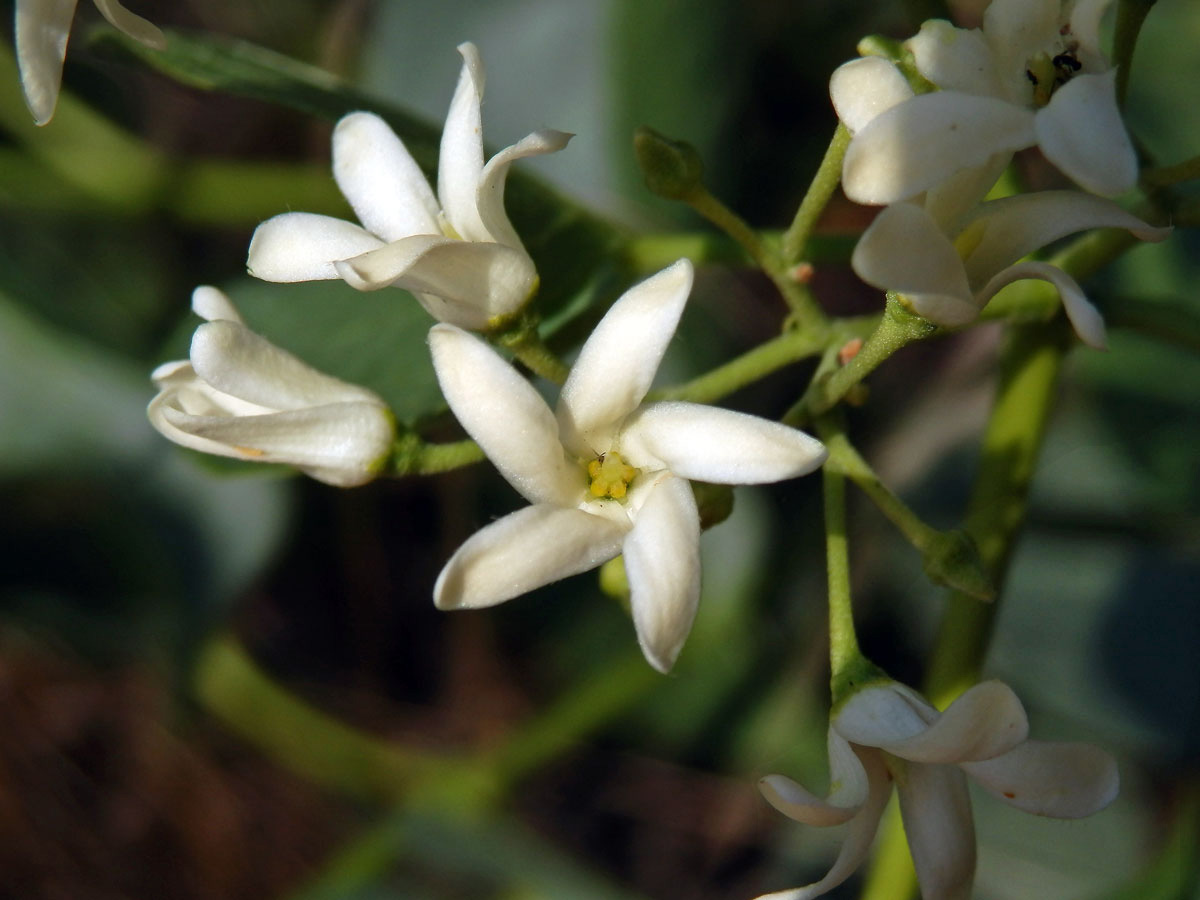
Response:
column 457, row 252
column 888, row 733
column 241, row 396
column 948, row 272
column 41, row 30
column 1033, row 75
column 605, row 474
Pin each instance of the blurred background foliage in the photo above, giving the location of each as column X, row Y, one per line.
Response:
column 223, row 681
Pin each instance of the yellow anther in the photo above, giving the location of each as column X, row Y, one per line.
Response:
column 609, row 476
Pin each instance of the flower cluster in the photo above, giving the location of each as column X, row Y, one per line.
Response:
column 886, row 734
column 1033, row 75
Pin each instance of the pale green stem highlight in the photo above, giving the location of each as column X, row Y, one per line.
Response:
column 824, row 183
column 412, row 456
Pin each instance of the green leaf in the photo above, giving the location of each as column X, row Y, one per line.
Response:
column 570, row 245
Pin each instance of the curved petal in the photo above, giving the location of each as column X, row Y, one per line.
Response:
column 985, row 721
column 662, row 562
column 856, row 844
column 460, row 161
column 936, row 809
column 863, row 88
column 236, row 361
column 133, row 25
column 1085, row 318
column 912, row 146
column 706, row 443
column 904, row 250
column 41, row 29
column 345, row 441
column 506, row 416
column 478, row 281
column 617, row 363
column 525, row 550
column 385, row 186
column 942, row 309
column 1013, row 227
column 883, row 714
column 1085, row 28
column 951, row 202
column 1081, row 132
column 489, row 196
column 212, row 304
column 955, row 59
column 848, row 782
column 304, row 246
column 1062, row 780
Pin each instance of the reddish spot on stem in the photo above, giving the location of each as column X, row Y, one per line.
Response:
column 849, row 350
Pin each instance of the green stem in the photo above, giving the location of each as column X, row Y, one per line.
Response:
column 768, row 357
column 897, row 328
column 1029, row 368
column 950, row 557
column 843, row 642
column 412, row 456
column 1163, row 176
column 527, row 345
column 824, row 183
column 803, row 306
column 648, row 253
column 1130, row 16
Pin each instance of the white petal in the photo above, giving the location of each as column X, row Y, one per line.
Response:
column 235, row 360
column 40, row 31
column 478, row 281
column 506, row 416
column 943, row 309
column 460, row 161
column 525, row 550
column 1081, row 132
column 856, row 844
column 912, row 146
column 1065, row 781
column 346, row 441
column 863, row 88
column 304, row 246
column 135, row 26
column 1013, row 227
column 985, row 721
column 717, row 445
column 383, row 183
column 1017, row 29
column 950, row 202
column 1085, row 318
column 847, row 779
column 662, row 562
column 904, row 250
column 955, row 59
column 1085, row 28
column 489, row 197
column 617, row 363
column 936, row 809
column 883, row 714
column 211, row 303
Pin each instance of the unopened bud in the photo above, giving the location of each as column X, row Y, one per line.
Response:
column 672, row 168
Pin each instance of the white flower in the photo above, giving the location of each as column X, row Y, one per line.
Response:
column 887, row 733
column 1033, row 75
column 41, row 31
column 456, row 252
column 947, row 271
column 605, row 474
column 241, row 396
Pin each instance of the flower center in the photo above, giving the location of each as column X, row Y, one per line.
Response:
column 609, row 476
column 1047, row 74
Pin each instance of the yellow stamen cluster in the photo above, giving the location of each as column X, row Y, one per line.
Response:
column 609, row 476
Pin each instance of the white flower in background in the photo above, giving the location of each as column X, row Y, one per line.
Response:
column 948, row 272
column 889, row 734
column 605, row 474
column 1033, row 75
column 456, row 252
column 241, row 396
column 41, row 29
